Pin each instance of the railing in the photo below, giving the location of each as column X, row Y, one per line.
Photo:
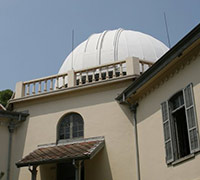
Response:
column 99, row 73
column 144, row 65
column 131, row 66
column 45, row 84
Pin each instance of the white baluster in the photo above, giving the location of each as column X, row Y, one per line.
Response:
column 51, row 84
column 100, row 77
column 93, row 76
column 33, row 88
column 63, row 86
column 80, row 78
column 57, row 82
column 107, row 75
column 87, row 79
column 121, row 69
column 28, row 89
column 45, row 85
column 114, row 71
column 142, row 67
column 39, row 87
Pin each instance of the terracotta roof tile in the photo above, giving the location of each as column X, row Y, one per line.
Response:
column 81, row 149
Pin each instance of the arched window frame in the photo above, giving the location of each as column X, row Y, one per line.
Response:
column 73, row 131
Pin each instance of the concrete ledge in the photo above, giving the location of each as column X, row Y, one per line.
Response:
column 71, row 89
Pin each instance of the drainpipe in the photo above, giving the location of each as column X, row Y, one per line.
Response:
column 33, row 172
column 77, row 166
column 133, row 108
column 11, row 128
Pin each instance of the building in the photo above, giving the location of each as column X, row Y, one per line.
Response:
column 165, row 103
column 102, row 115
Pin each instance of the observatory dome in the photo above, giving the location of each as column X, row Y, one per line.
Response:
column 111, row 46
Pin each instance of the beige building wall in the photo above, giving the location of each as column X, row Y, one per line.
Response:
column 150, row 128
column 102, row 115
column 4, row 138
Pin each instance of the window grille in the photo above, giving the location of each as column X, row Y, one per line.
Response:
column 70, row 126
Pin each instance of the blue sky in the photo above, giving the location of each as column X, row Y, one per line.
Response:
column 35, row 35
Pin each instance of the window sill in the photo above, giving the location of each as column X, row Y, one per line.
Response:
column 178, row 161
column 61, row 141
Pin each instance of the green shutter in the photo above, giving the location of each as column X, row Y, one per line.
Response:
column 191, row 118
column 167, row 132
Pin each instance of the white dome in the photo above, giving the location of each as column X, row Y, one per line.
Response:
column 111, row 46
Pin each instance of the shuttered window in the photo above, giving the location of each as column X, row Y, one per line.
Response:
column 180, row 125
column 191, row 118
column 167, row 132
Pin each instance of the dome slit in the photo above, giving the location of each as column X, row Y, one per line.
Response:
column 111, row 46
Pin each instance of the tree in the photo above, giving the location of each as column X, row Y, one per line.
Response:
column 5, row 95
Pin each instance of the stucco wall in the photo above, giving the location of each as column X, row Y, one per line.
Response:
column 4, row 137
column 102, row 115
column 150, row 128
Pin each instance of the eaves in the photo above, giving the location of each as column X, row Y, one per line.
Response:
column 162, row 63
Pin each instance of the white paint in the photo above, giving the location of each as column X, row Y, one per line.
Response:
column 114, row 45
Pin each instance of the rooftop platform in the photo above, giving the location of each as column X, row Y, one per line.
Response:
column 120, row 70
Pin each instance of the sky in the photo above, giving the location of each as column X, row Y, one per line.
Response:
column 36, row 35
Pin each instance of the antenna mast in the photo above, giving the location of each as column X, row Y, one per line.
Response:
column 167, row 30
column 72, row 48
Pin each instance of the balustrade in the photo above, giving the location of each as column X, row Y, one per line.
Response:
column 131, row 66
column 99, row 73
column 145, row 65
column 45, row 84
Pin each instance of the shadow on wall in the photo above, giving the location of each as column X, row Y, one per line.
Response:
column 1, row 175
column 48, row 171
column 126, row 110
column 19, row 138
column 77, row 99
column 98, row 168
column 151, row 104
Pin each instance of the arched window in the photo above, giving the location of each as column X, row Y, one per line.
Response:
column 70, row 126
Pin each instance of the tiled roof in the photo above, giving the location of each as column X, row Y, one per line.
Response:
column 81, row 149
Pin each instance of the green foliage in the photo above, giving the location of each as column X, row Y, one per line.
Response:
column 5, row 95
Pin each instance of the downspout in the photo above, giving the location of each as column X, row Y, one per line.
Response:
column 133, row 108
column 11, row 128
column 77, row 166
column 33, row 172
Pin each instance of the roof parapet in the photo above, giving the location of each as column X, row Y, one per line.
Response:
column 102, row 73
